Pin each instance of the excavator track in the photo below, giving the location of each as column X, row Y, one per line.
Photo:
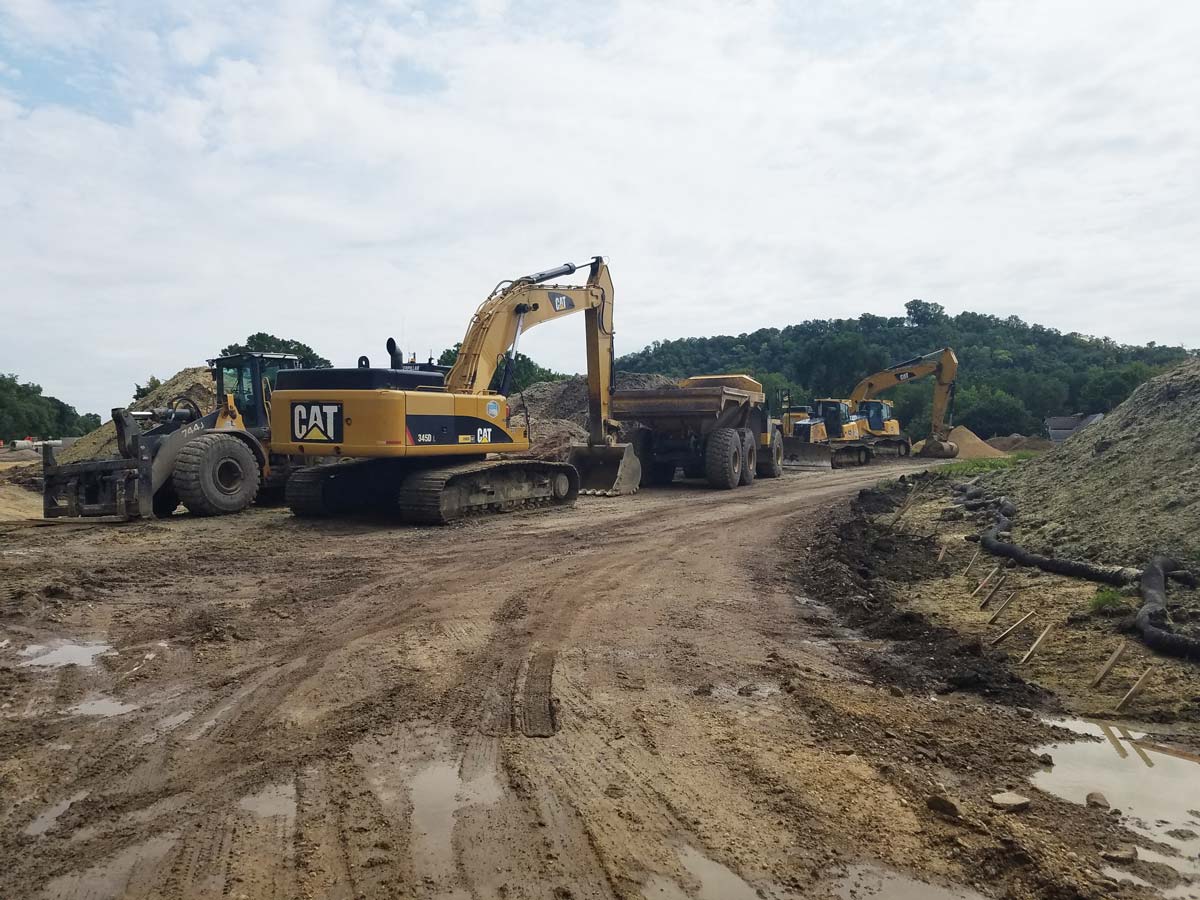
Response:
column 441, row 495
column 431, row 495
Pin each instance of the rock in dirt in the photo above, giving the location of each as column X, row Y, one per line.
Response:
column 1097, row 800
column 1010, row 801
column 1124, row 855
column 943, row 805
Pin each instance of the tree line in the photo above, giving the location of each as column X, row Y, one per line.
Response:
column 26, row 412
column 1012, row 374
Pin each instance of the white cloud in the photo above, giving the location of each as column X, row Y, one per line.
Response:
column 340, row 172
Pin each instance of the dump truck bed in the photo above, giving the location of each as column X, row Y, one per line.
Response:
column 681, row 408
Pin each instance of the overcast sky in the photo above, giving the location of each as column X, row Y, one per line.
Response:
column 175, row 176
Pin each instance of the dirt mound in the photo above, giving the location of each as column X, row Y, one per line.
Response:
column 1122, row 489
column 558, row 410
column 195, row 383
column 971, row 446
column 8, row 457
column 1016, row 442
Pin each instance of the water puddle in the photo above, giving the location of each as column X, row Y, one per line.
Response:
column 56, row 654
column 1157, row 788
column 48, row 817
column 110, row 879
column 862, row 882
column 102, row 706
column 1121, row 875
column 273, row 800
column 716, row 881
column 437, row 793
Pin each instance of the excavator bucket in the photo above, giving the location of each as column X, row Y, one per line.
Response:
column 935, row 449
column 800, row 454
column 606, row 470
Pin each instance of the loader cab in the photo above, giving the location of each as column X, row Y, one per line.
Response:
column 251, row 378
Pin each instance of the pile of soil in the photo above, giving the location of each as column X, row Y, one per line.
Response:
column 970, row 445
column 558, row 410
column 1016, row 442
column 18, row 456
column 1123, row 489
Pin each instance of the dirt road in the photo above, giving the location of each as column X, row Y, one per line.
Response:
column 626, row 700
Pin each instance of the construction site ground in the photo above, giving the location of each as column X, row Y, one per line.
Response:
column 655, row 696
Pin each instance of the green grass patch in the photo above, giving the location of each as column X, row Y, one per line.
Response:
column 1022, row 455
column 1108, row 601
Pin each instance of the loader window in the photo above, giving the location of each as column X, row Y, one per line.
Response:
column 239, row 381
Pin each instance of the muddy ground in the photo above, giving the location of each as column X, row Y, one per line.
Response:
column 667, row 695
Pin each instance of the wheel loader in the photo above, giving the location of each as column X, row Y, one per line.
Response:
column 213, row 463
column 437, row 444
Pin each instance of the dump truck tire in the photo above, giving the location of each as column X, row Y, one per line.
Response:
column 216, row 474
column 749, row 455
column 770, row 464
column 723, row 459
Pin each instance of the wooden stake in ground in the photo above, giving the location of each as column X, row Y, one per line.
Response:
column 906, row 505
column 1015, row 625
column 981, row 584
column 1000, row 608
column 1135, row 690
column 1108, row 666
column 972, row 562
column 992, row 593
column 1032, row 650
column 942, row 553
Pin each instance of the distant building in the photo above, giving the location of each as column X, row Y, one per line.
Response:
column 1062, row 427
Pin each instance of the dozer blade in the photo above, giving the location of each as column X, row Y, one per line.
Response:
column 799, row 454
column 935, row 449
column 606, row 470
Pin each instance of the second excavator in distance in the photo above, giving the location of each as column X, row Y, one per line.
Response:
column 440, row 444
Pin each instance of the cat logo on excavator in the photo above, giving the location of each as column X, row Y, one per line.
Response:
column 317, row 422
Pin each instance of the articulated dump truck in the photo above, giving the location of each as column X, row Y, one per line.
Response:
column 714, row 427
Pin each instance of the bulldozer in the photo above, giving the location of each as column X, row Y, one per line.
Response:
column 213, row 463
column 824, row 435
column 881, row 423
column 439, row 443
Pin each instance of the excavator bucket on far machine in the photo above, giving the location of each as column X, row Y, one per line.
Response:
column 606, row 470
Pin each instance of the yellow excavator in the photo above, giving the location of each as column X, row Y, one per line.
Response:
column 877, row 415
column 438, row 444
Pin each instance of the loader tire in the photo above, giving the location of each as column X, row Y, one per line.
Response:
column 770, row 464
column 749, row 455
column 216, row 474
column 723, row 459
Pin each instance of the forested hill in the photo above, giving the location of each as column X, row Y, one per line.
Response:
column 1011, row 374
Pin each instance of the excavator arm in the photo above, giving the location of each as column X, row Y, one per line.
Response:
column 942, row 364
column 518, row 305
